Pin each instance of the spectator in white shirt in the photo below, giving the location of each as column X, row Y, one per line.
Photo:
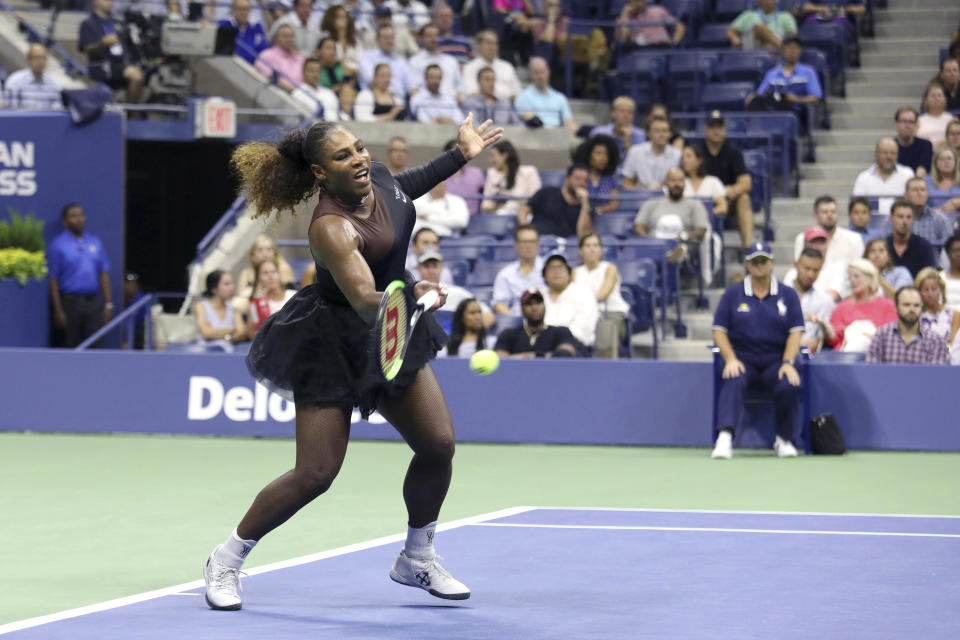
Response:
column 568, row 303
column 33, row 87
column 430, row 268
column 884, row 177
column 321, row 101
column 413, row 12
column 647, row 163
column 697, row 184
column 428, row 55
column 404, row 45
column 445, row 213
column 932, row 124
column 813, row 302
column 400, row 80
column 843, row 246
column 488, row 50
column 432, row 107
column 305, row 24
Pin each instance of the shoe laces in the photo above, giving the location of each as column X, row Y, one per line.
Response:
column 434, row 565
column 225, row 577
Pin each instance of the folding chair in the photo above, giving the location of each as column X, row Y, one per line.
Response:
column 638, row 286
column 755, row 397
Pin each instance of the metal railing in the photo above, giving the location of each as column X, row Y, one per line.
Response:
column 127, row 319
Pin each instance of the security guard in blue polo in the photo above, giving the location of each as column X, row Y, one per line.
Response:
column 757, row 328
column 80, row 298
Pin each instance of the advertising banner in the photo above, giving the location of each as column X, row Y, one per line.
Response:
column 47, row 162
column 573, row 401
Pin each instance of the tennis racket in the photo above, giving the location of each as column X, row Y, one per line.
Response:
column 396, row 317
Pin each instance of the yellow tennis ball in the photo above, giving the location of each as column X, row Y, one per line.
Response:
column 484, row 362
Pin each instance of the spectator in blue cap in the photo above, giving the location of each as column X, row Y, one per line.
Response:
column 757, row 328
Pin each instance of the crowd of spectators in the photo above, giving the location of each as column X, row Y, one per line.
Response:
column 385, row 61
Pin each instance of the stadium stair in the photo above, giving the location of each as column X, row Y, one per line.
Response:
column 895, row 67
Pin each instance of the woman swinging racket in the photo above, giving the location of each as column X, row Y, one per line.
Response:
column 317, row 350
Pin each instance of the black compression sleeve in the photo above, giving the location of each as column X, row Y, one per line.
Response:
column 417, row 181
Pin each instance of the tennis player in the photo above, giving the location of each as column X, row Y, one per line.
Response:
column 317, row 351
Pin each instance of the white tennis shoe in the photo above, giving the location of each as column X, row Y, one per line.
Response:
column 223, row 583
column 723, row 449
column 784, row 448
column 429, row 576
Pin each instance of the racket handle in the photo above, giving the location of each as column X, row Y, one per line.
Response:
column 429, row 299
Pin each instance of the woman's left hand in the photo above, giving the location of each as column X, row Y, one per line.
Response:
column 473, row 141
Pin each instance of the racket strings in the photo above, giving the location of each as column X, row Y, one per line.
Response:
column 393, row 333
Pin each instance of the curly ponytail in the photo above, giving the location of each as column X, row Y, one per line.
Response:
column 278, row 176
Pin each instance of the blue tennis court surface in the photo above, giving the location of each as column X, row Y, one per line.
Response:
column 592, row 573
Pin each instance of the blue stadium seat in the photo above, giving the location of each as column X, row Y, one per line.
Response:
column 467, row 252
column 761, row 196
column 552, row 178
column 459, row 270
column 484, row 272
column 838, row 357
column 745, row 66
column 640, row 75
column 639, row 289
column 818, row 60
column 878, row 223
column 299, row 266
column 587, row 9
column 482, row 294
column 615, row 224
column 610, row 245
column 690, row 11
column 689, row 73
column 445, row 318
column 491, row 224
column 727, row 96
column 829, row 38
column 572, row 253
column 503, row 251
column 713, row 35
column 730, row 9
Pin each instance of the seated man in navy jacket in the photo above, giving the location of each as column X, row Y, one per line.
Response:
column 757, row 328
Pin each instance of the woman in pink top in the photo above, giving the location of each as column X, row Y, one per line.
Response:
column 467, row 183
column 863, row 306
column 646, row 26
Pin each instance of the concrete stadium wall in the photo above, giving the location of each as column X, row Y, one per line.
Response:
column 568, row 402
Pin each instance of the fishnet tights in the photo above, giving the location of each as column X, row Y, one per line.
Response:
column 419, row 414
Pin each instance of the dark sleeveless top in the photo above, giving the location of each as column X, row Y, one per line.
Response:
column 385, row 234
column 379, row 108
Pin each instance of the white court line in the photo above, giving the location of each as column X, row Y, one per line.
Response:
column 274, row 566
column 762, row 513
column 715, row 530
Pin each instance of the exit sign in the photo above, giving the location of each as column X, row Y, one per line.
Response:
column 216, row 118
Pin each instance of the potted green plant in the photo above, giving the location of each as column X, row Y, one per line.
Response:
column 24, row 312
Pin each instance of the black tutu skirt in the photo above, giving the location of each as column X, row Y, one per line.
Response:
column 319, row 353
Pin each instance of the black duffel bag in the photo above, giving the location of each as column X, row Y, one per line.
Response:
column 826, row 438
